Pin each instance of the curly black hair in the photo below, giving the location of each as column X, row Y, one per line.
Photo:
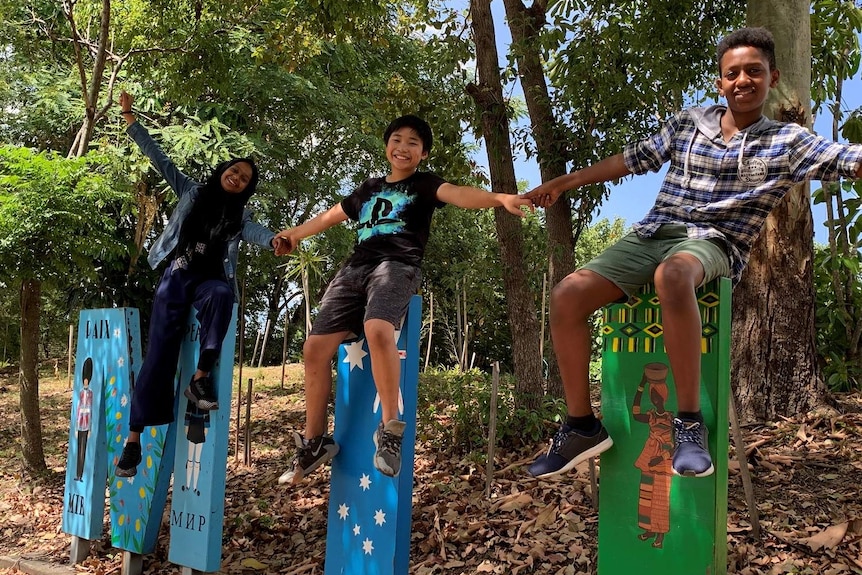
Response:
column 759, row 38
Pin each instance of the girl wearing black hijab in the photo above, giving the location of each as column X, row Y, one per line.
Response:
column 201, row 244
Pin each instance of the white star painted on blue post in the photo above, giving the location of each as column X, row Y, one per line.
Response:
column 379, row 517
column 121, row 362
column 343, row 511
column 356, row 529
column 367, row 546
column 117, row 333
column 376, row 407
column 355, row 354
column 365, row 482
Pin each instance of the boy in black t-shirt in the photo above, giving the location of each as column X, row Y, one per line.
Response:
column 371, row 291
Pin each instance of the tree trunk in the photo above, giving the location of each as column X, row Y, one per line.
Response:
column 31, row 423
column 774, row 358
column 525, row 25
column 521, row 307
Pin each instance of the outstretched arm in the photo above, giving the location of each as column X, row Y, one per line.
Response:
column 178, row 181
column 475, row 198
column 611, row 168
column 291, row 238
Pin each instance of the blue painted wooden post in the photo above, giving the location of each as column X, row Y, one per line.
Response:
column 108, row 358
column 200, row 464
column 197, row 514
column 368, row 529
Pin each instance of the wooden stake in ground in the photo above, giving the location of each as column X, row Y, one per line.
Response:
column 69, row 367
column 492, row 428
column 247, row 458
column 748, row 488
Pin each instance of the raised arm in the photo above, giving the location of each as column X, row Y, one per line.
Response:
column 178, row 181
column 331, row 217
column 611, row 168
column 474, row 198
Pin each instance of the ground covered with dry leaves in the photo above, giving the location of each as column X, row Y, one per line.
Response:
column 807, row 474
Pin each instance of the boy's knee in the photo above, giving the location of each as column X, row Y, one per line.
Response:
column 379, row 331
column 677, row 273
column 567, row 295
column 314, row 349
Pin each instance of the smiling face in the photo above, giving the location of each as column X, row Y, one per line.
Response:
column 746, row 78
column 235, row 179
column 404, row 150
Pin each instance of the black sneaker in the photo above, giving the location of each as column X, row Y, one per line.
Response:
column 387, row 441
column 201, row 392
column 127, row 466
column 568, row 448
column 690, row 455
column 310, row 454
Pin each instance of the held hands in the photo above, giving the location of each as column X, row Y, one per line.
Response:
column 284, row 242
column 513, row 203
column 544, row 195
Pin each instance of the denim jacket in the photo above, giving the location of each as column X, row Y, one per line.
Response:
column 187, row 190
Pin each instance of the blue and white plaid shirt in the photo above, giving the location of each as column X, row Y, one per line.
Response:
column 725, row 190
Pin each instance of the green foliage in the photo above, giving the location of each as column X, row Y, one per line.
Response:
column 842, row 368
column 454, row 409
column 57, row 215
column 835, row 53
column 616, row 69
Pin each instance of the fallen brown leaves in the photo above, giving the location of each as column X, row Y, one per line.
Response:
column 806, row 471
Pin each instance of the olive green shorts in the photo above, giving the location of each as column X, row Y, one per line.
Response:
column 631, row 262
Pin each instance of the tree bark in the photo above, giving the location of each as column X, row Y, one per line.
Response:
column 525, row 25
column 774, row 355
column 31, row 424
column 520, row 299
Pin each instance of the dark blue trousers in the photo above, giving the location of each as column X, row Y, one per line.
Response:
column 178, row 290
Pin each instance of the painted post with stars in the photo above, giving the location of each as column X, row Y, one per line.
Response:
column 368, row 528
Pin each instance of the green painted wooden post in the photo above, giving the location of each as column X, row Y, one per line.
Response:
column 650, row 521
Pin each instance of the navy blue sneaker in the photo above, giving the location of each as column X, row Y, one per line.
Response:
column 690, row 455
column 568, row 448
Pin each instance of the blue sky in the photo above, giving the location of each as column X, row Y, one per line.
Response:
column 633, row 197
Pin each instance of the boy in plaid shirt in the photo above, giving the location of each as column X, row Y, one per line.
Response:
column 729, row 166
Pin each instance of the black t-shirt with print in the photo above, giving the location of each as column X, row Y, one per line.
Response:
column 394, row 218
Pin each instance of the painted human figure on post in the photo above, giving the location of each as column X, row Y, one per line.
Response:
column 197, row 423
column 654, row 460
column 83, row 416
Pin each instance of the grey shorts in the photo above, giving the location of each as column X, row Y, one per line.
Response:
column 363, row 292
column 631, row 262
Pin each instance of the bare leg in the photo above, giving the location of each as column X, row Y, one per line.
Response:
column 385, row 364
column 134, row 437
column 573, row 301
column 317, row 354
column 675, row 280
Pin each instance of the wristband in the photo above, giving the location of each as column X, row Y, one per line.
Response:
column 126, row 112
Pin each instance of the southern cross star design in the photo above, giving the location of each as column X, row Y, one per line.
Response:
column 379, row 517
column 355, row 354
